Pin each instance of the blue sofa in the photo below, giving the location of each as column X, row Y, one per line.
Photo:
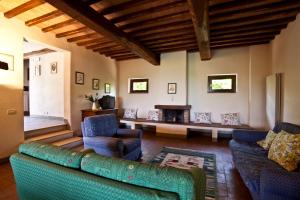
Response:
column 265, row 179
column 102, row 134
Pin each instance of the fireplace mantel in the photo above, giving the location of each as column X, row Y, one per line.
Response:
column 173, row 107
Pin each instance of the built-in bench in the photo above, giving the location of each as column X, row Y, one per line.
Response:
column 181, row 129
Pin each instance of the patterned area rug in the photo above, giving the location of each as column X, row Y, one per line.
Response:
column 209, row 167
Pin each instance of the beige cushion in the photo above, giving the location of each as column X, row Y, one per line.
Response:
column 266, row 143
column 285, row 150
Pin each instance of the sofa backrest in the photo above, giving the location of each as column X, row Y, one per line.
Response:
column 188, row 184
column 100, row 125
column 38, row 179
column 54, row 154
column 288, row 127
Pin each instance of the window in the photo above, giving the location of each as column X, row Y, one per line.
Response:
column 222, row 84
column 139, row 85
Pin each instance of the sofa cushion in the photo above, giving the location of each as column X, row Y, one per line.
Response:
column 266, row 143
column 251, row 148
column 188, row 184
column 100, row 125
column 288, row 127
column 285, row 150
column 52, row 154
column 131, row 144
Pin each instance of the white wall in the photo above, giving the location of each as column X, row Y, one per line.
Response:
column 226, row 61
column 171, row 70
column 286, row 60
column 77, row 59
column 46, row 90
column 11, row 90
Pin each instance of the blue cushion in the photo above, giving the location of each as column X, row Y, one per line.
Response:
column 251, row 148
column 100, row 125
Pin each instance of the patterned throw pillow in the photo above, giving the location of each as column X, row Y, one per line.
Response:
column 232, row 119
column 130, row 113
column 285, row 150
column 153, row 115
column 203, row 117
column 266, row 143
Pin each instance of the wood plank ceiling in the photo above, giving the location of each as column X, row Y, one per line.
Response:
column 127, row 29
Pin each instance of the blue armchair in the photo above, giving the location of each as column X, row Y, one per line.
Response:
column 264, row 178
column 102, row 134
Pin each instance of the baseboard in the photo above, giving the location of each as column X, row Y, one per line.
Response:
column 170, row 135
column 4, row 160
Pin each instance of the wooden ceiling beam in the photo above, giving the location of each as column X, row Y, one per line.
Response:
column 59, row 25
column 108, row 53
column 233, row 39
column 102, row 45
column 43, row 18
column 268, row 38
column 173, row 43
column 247, row 33
column 186, row 25
column 278, row 25
column 83, row 37
column 240, row 44
column 119, row 58
column 238, row 6
column 125, row 5
column 92, row 41
column 159, row 21
column 171, row 39
column 266, row 19
column 23, row 8
column 72, row 32
column 199, row 13
column 257, row 12
column 120, row 54
column 90, row 2
column 168, row 34
column 161, row 10
column 111, row 48
column 92, row 19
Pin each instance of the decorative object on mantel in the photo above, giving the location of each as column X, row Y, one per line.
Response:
column 172, row 88
column 6, row 62
column 95, row 84
column 53, row 67
column 93, row 99
column 106, row 88
column 79, row 78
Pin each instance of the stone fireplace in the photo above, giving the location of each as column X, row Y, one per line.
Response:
column 174, row 113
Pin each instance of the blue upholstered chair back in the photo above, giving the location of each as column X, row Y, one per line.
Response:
column 288, row 127
column 100, row 125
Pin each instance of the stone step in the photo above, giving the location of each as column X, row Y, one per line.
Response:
column 69, row 143
column 52, row 137
column 42, row 131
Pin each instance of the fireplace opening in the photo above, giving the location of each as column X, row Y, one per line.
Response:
column 174, row 116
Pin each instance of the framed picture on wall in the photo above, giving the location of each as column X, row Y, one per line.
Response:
column 107, row 88
column 95, row 84
column 6, row 62
column 172, row 88
column 53, row 67
column 79, row 78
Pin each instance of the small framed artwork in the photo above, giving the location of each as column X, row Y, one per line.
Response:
column 172, row 88
column 95, row 83
column 107, row 88
column 6, row 62
column 79, row 78
column 53, row 67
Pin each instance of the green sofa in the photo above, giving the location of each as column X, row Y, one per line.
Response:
column 46, row 172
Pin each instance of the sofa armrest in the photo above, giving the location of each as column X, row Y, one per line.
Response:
column 279, row 184
column 248, row 135
column 129, row 133
column 107, row 143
